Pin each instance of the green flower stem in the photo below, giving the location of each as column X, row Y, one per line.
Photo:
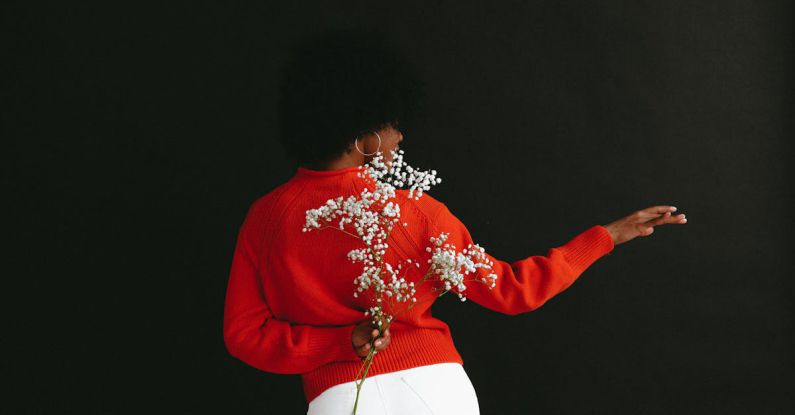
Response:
column 371, row 355
column 368, row 361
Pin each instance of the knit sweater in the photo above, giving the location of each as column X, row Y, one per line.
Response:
column 290, row 308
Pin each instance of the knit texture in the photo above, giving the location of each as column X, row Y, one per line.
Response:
column 290, row 307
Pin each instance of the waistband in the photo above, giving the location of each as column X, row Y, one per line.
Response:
column 409, row 347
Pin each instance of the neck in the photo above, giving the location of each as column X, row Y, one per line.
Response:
column 347, row 159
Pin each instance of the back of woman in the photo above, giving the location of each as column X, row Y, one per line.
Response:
column 291, row 304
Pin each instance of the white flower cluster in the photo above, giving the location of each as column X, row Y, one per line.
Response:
column 398, row 287
column 372, row 215
column 379, row 316
column 447, row 263
column 393, row 174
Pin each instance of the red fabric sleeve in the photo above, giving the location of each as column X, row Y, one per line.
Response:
column 525, row 285
column 254, row 336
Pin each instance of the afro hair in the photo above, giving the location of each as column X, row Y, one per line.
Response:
column 339, row 84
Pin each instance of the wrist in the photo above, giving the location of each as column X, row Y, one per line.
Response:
column 612, row 233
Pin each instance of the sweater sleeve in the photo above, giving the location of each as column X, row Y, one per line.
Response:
column 526, row 284
column 253, row 335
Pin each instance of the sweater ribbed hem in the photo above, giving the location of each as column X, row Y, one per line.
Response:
column 410, row 347
column 340, row 337
column 587, row 247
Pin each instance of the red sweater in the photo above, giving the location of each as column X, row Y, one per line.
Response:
column 290, row 307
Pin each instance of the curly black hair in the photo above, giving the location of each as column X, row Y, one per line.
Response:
column 339, row 84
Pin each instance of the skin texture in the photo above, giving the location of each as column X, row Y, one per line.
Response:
column 368, row 144
column 363, row 333
column 638, row 223
column 642, row 223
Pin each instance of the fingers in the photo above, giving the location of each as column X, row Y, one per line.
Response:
column 663, row 214
column 383, row 342
column 653, row 212
column 659, row 210
column 366, row 346
column 667, row 218
column 680, row 218
column 364, row 349
column 659, row 220
column 380, row 343
column 647, row 228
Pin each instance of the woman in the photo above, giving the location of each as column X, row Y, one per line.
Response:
column 289, row 305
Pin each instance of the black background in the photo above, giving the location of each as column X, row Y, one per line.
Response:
column 137, row 136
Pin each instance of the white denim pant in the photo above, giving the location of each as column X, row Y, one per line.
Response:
column 438, row 389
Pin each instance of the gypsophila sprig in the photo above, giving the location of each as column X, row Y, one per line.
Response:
column 447, row 263
column 392, row 173
column 370, row 217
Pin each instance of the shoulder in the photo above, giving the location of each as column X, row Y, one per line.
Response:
column 260, row 207
column 426, row 205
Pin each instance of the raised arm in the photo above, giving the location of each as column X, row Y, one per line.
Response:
column 253, row 335
column 526, row 284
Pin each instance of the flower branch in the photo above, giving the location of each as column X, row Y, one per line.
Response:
column 372, row 215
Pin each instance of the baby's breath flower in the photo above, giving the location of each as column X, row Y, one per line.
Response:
column 370, row 217
column 451, row 266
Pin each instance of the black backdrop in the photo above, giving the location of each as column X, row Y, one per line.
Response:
column 138, row 135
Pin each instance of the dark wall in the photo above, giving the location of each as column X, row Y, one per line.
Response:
column 138, row 136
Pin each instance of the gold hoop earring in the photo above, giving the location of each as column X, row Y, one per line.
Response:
column 356, row 143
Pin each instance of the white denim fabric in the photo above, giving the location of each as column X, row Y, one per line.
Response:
column 438, row 389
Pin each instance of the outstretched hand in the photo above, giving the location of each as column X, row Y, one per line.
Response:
column 363, row 333
column 642, row 223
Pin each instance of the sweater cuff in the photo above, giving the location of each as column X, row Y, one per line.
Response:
column 585, row 248
column 336, row 341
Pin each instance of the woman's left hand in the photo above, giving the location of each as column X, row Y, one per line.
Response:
column 642, row 223
column 364, row 333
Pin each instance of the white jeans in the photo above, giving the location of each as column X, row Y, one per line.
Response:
column 438, row 389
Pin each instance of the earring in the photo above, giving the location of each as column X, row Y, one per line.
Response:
column 356, row 143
